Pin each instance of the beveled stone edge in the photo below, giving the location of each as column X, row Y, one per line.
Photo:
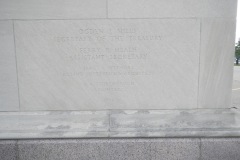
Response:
column 111, row 131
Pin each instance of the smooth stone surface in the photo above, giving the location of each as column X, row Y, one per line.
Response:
column 109, row 149
column 54, row 9
column 236, row 87
column 171, row 8
column 8, row 75
column 54, row 124
column 128, row 123
column 108, row 64
column 8, row 150
column 174, row 123
column 216, row 62
column 114, row 56
column 220, row 149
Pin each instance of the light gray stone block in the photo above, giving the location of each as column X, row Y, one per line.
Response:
column 173, row 123
column 171, row 8
column 8, row 150
column 109, row 149
column 108, row 64
column 216, row 62
column 151, row 123
column 53, row 124
column 70, row 57
column 8, row 74
column 54, row 9
column 220, row 149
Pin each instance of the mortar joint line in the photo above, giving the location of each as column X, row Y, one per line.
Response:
column 17, row 72
column 199, row 65
column 107, row 9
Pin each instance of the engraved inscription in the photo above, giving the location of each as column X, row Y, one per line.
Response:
column 108, row 64
column 120, row 52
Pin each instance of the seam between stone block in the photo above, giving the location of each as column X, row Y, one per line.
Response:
column 121, row 18
column 106, row 8
column 15, row 52
column 109, row 123
column 199, row 65
column 17, row 150
column 200, row 149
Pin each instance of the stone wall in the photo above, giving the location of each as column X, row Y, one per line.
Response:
column 116, row 68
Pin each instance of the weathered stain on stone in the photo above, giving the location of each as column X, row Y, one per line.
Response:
column 59, row 127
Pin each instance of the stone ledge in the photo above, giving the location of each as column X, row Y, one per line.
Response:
column 120, row 123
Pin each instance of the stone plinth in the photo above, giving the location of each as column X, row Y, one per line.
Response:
column 117, row 68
